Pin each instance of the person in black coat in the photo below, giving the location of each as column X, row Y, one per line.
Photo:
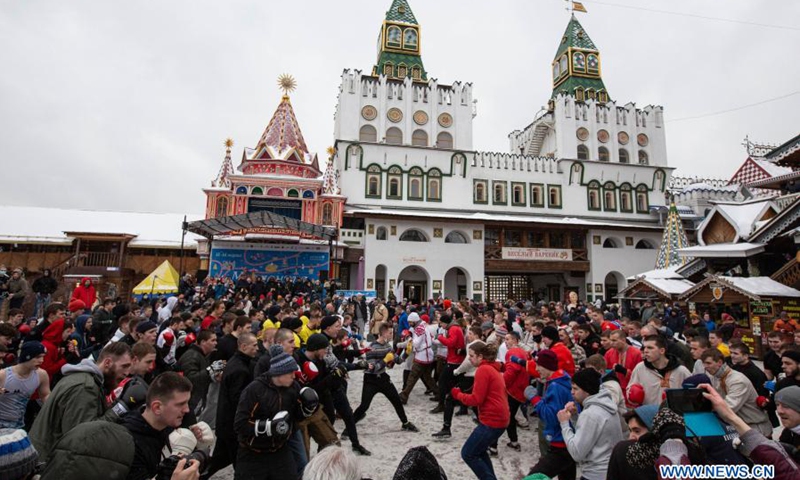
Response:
column 236, row 377
column 195, row 366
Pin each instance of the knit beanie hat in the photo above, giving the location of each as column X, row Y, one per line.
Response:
column 413, row 317
column 447, row 303
column 31, row 350
column 550, row 332
column 418, row 463
column 487, row 326
column 317, row 341
column 501, row 331
column 273, row 311
column 76, row 305
column 793, row 355
column 291, row 323
column 646, row 414
column 280, row 363
column 547, row 359
column 587, row 380
column 789, row 397
column 694, row 380
column 145, row 327
column 17, row 456
column 327, row 321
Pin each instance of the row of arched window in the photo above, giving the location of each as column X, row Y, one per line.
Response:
column 275, row 192
column 606, row 197
column 416, row 235
column 401, row 71
column 604, row 155
column 397, row 37
column 419, row 185
column 643, row 244
column 539, row 196
column 582, row 95
column 394, row 136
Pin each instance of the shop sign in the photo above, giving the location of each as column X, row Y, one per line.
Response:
column 717, row 291
column 541, row 254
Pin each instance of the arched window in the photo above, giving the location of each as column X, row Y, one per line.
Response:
column 625, row 198
column 580, row 94
column 480, row 192
column 556, row 70
column 374, row 181
column 394, row 36
column 645, row 244
column 518, row 194
column 537, row 195
column 602, row 96
column 602, row 154
column 583, row 152
column 413, row 235
column 257, row 191
column 415, row 184
column 368, row 134
column 380, row 233
column 416, row 72
column 578, row 62
column 642, row 200
column 623, row 156
column 592, row 63
column 308, row 194
column 594, row 195
column 293, row 194
column 643, row 158
column 388, row 69
column 444, row 140
column 456, row 237
column 499, row 193
column 611, row 243
column 434, row 185
column 241, row 191
column 221, row 207
column 395, row 185
column 609, row 197
column 419, row 138
column 275, row 192
column 410, row 39
column 554, row 195
column 402, row 70
column 590, row 93
column 327, row 214
column 394, row 136
column 562, row 64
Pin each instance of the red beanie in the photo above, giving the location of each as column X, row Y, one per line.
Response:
column 76, row 305
column 636, row 394
column 547, row 359
column 447, row 303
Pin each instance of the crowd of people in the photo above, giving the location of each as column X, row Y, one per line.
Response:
column 248, row 372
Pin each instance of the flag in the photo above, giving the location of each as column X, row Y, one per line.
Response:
column 578, row 7
column 398, row 291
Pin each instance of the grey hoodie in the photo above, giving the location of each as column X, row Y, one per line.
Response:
column 596, row 433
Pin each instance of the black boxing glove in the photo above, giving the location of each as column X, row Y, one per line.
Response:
column 620, row 369
column 309, row 401
column 278, row 427
column 132, row 397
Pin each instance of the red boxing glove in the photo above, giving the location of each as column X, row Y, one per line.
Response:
column 636, row 394
column 169, row 337
column 762, row 401
column 190, row 339
column 9, row 358
column 346, row 342
column 310, row 371
column 364, row 350
column 405, row 333
column 455, row 392
column 24, row 329
column 536, row 400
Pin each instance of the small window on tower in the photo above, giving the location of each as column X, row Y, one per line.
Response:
column 623, row 156
column 410, row 39
column 402, row 71
column 602, row 96
column 602, row 154
column 578, row 62
column 643, row 158
column 388, row 69
column 583, row 152
column 394, row 36
column 416, row 72
column 579, row 94
column 590, row 93
column 592, row 63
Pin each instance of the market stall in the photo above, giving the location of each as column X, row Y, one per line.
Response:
column 661, row 287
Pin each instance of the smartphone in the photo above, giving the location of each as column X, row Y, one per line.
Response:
column 687, row 400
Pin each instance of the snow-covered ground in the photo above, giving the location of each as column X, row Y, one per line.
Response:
column 380, row 433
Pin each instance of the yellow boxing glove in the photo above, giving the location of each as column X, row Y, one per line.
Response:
column 409, row 348
column 389, row 358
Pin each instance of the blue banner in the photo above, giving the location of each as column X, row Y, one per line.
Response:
column 369, row 295
column 232, row 262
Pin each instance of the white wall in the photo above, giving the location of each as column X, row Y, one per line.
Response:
column 627, row 260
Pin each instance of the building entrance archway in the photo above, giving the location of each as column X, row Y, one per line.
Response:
column 380, row 281
column 613, row 284
column 415, row 281
column 456, row 281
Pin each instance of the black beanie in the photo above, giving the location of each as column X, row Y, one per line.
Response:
column 328, row 321
column 316, row 342
column 550, row 332
column 588, row 380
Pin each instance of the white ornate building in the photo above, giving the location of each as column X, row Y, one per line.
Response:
column 571, row 206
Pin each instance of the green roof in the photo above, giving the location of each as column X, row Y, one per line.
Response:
column 400, row 11
column 571, row 83
column 575, row 37
column 398, row 58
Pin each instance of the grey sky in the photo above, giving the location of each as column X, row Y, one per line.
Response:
column 125, row 105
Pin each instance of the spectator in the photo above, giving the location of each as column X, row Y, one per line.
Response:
column 632, row 458
column 44, row 287
column 195, row 366
column 622, row 358
column 655, row 374
column 17, row 289
column 772, row 359
column 698, row 346
column 85, row 292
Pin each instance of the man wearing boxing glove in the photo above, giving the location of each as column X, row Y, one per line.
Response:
column 80, row 397
column 266, row 417
column 166, row 340
column 376, row 380
column 195, row 366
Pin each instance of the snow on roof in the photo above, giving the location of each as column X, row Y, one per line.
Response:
column 484, row 217
column 772, row 169
column 47, row 225
column 719, row 250
column 665, row 273
column 743, row 215
column 762, row 286
column 673, row 286
column 706, row 186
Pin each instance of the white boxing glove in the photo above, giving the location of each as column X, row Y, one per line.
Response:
column 183, row 441
column 206, row 434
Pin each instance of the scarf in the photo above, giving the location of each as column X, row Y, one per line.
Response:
column 644, row 453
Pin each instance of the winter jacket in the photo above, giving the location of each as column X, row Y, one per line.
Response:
column 740, row 395
column 516, row 376
column 655, row 382
column 423, row 344
column 236, row 377
column 489, row 395
column 455, row 343
column 46, row 285
column 193, row 364
column 566, row 361
column 262, row 400
column 78, row 398
column 596, row 433
column 620, row 468
column 756, row 376
column 629, row 360
column 165, row 312
column 557, row 393
column 17, row 288
column 86, row 345
column 149, row 445
column 88, row 295
column 55, row 356
column 92, row 451
column 610, row 383
column 590, row 344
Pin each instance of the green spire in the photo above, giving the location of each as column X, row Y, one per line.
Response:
column 399, row 45
column 674, row 238
column 576, row 66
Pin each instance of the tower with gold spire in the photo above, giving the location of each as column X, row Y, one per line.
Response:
column 399, row 45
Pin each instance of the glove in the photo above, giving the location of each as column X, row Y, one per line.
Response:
column 132, row 397
column 309, row 401
column 206, row 436
column 278, row 427
column 169, row 338
column 519, row 361
column 770, row 385
column 340, row 371
column 190, row 339
column 530, row 392
column 636, row 394
column 309, row 372
column 181, row 339
column 183, row 441
column 762, row 402
column 405, row 333
column 364, row 350
column 455, row 392
column 346, row 343
column 9, row 358
column 24, row 330
column 361, row 365
column 620, row 369
column 389, row 358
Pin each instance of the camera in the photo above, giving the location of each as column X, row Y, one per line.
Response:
column 687, row 400
column 167, row 466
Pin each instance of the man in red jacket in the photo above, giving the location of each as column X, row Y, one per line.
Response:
column 517, row 379
column 456, row 352
column 59, row 349
column 622, row 358
column 550, row 340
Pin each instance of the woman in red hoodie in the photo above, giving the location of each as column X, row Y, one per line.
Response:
column 456, row 352
column 489, row 395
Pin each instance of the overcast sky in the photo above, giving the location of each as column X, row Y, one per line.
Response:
column 125, row 105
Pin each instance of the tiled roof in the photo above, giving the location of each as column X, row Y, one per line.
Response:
column 283, row 132
column 576, row 37
column 573, row 82
column 400, row 11
column 398, row 58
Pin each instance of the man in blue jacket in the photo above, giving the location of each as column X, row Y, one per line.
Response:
column 556, row 461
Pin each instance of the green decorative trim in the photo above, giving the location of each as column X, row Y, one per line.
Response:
column 629, row 190
column 524, row 201
column 572, row 171
column 360, row 156
column 543, row 193
column 663, row 179
column 418, row 176
column 453, row 160
column 594, row 185
column 606, row 208
column 394, row 172
column 560, row 197
column 505, row 192
column 438, row 178
column 379, row 175
column 486, row 192
column 639, row 190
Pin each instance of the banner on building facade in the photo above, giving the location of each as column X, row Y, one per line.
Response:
column 369, row 295
column 541, row 254
column 231, row 259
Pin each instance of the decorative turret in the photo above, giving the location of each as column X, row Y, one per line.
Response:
column 226, row 170
column 673, row 240
column 576, row 66
column 399, row 45
column 330, row 179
